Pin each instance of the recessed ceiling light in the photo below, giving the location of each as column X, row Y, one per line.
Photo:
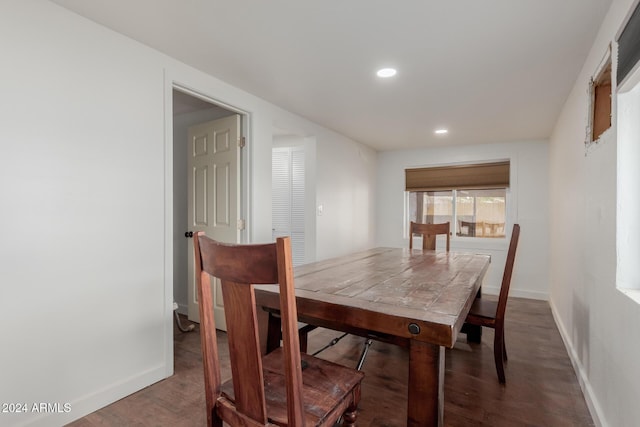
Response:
column 441, row 131
column 386, row 72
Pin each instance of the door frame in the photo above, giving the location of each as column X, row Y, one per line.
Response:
column 245, row 201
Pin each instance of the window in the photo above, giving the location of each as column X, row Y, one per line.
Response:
column 472, row 213
column 600, row 105
column 472, row 198
column 628, row 157
column 602, row 102
column 629, row 47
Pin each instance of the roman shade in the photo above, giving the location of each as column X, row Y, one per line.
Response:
column 472, row 176
column 629, row 46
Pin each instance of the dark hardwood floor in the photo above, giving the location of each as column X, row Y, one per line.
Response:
column 541, row 388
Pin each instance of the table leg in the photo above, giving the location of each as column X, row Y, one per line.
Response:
column 273, row 332
column 426, row 384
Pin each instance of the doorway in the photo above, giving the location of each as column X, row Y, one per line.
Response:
column 191, row 111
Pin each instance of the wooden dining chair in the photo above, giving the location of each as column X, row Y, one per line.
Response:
column 285, row 387
column 429, row 233
column 491, row 313
column 467, row 228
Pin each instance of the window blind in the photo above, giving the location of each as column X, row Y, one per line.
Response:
column 629, row 46
column 472, row 176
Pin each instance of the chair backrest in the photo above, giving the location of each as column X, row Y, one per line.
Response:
column 429, row 232
column 467, row 228
column 508, row 270
column 239, row 267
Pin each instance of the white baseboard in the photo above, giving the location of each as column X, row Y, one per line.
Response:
column 592, row 403
column 99, row 399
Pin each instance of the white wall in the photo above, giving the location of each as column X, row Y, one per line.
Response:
column 345, row 176
column 528, row 203
column 599, row 323
column 87, row 206
column 82, row 172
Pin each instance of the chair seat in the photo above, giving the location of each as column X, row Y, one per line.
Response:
column 482, row 312
column 327, row 388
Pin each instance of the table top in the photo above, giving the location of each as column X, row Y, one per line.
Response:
column 385, row 290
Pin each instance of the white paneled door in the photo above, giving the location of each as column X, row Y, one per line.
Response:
column 213, row 195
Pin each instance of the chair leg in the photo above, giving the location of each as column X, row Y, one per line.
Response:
column 213, row 420
column 351, row 414
column 474, row 332
column 504, row 348
column 498, row 353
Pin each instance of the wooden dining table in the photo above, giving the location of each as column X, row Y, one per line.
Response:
column 412, row 298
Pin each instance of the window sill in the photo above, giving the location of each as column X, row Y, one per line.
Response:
column 634, row 294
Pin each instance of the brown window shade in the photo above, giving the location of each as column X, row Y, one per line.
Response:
column 483, row 175
column 601, row 109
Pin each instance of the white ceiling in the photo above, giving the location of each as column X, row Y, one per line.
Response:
column 489, row 70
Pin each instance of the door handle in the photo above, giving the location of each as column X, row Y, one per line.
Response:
column 188, row 234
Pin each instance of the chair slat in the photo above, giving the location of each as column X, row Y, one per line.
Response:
column 244, row 344
column 290, row 340
column 429, row 233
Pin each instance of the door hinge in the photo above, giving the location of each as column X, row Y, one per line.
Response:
column 241, row 224
column 242, row 142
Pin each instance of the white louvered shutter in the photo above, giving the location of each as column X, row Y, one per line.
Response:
column 288, row 198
